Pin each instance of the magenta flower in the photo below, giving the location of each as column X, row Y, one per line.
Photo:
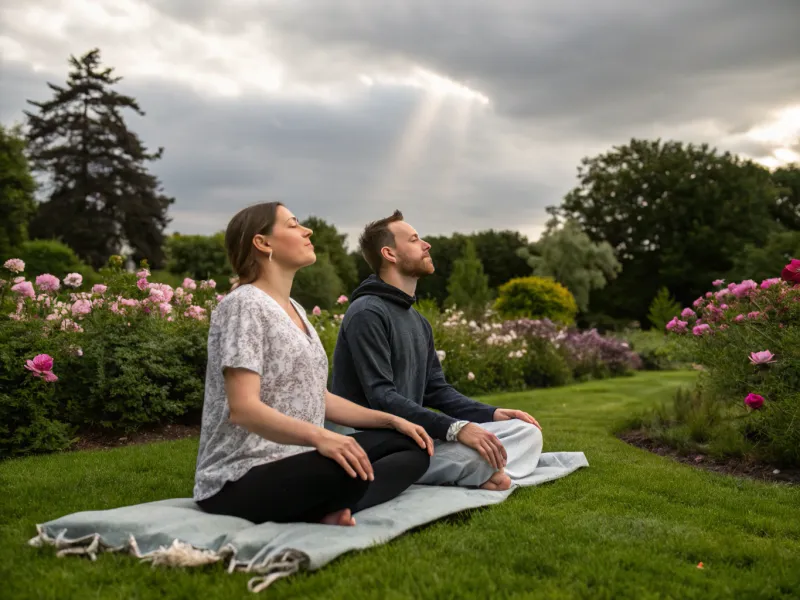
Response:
column 762, row 358
column 15, row 265
column 81, row 307
column 791, row 272
column 24, row 289
column 753, row 315
column 687, row 313
column 739, row 318
column 99, row 288
column 701, row 329
column 73, row 280
column 42, row 366
column 189, row 284
column 768, row 283
column 316, row 311
column 754, row 401
column 342, row 299
column 722, row 293
column 698, row 303
column 48, row 283
column 677, row 326
column 709, row 294
column 717, row 282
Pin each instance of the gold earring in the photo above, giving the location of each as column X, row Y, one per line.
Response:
column 270, row 257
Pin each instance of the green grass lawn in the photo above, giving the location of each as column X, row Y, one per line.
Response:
column 632, row 525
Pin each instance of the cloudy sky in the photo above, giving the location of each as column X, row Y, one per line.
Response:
column 464, row 114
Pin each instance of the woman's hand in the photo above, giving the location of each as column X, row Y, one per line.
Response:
column 346, row 451
column 415, row 432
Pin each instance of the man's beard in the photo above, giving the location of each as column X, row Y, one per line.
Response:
column 415, row 268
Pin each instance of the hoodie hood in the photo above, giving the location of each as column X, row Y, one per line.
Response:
column 374, row 286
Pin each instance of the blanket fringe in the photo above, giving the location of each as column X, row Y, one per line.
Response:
column 180, row 554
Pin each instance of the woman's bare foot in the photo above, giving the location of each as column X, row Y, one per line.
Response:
column 343, row 517
column 498, row 482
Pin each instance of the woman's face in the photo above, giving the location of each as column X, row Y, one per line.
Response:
column 290, row 242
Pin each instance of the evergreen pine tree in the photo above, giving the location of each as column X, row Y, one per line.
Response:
column 468, row 286
column 101, row 197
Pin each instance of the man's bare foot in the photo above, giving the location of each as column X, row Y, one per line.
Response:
column 342, row 517
column 498, row 482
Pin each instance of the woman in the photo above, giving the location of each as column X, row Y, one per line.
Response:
column 264, row 452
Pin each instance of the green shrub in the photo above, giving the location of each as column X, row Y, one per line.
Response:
column 198, row 256
column 536, row 298
column 317, row 285
column 468, row 286
column 51, row 256
column 663, row 308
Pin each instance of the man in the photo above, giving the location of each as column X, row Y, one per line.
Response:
column 385, row 359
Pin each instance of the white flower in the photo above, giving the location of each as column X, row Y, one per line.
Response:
column 471, row 376
column 441, row 354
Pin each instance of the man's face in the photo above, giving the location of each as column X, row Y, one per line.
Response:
column 413, row 259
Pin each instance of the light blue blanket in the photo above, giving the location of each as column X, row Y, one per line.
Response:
column 176, row 532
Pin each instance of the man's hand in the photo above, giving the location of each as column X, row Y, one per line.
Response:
column 506, row 414
column 415, row 432
column 486, row 443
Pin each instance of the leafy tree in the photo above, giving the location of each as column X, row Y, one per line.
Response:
column 199, row 256
column 327, row 240
column 663, row 308
column 468, row 285
column 768, row 261
column 787, row 206
column 101, row 197
column 676, row 215
column 570, row 257
column 17, row 186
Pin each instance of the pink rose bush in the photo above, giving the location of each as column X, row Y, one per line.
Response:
column 42, row 366
column 747, row 342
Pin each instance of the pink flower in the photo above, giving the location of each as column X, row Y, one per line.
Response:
column 48, row 283
column 18, row 279
column 99, row 288
column 129, row 302
column 701, row 329
column 142, row 284
column 316, row 311
column 753, row 315
column 143, row 274
column 723, row 306
column 791, row 272
column 165, row 308
column 342, row 299
column 73, row 280
column 754, row 401
column 768, row 283
column 156, row 296
column 42, row 366
column 743, row 289
column 166, row 290
column 69, row 325
column 709, row 294
column 208, row 285
column 687, row 313
column 220, row 297
column 471, row 376
column 24, row 289
column 717, row 282
column 739, row 318
column 81, row 307
column 677, row 326
column 698, row 303
column 195, row 312
column 189, row 284
column 762, row 358
column 723, row 327
column 722, row 293
column 15, row 265
column 115, row 308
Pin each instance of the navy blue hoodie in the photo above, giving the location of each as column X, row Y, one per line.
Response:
column 385, row 359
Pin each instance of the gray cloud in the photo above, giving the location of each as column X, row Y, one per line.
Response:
column 564, row 81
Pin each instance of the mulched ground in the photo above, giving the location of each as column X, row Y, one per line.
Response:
column 737, row 467
column 94, row 440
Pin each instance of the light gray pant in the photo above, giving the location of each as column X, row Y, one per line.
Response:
column 454, row 463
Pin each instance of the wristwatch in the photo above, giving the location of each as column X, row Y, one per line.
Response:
column 454, row 429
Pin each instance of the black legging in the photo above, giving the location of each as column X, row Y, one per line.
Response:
column 308, row 486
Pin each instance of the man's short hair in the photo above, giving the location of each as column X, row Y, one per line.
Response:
column 377, row 235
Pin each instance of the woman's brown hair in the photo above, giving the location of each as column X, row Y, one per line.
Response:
column 249, row 222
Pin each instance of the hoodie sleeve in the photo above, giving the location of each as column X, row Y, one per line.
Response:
column 444, row 397
column 367, row 337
